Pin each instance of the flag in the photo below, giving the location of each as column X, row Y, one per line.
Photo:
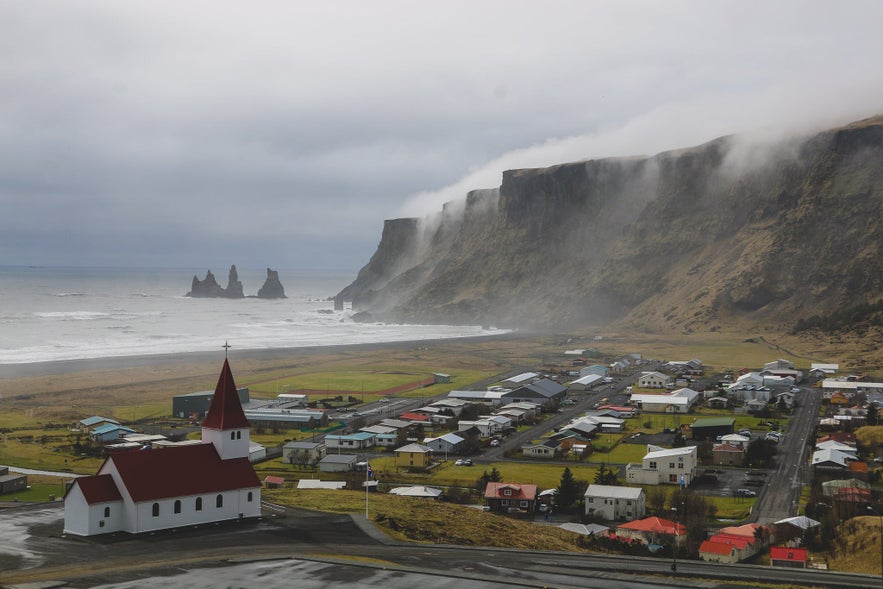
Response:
column 369, row 472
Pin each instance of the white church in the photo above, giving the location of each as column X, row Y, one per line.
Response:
column 148, row 490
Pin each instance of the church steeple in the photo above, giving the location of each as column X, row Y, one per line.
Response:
column 225, row 424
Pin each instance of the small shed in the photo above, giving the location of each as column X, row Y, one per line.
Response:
column 338, row 463
column 782, row 556
column 272, row 482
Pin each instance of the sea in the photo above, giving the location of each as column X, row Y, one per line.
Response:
column 56, row 313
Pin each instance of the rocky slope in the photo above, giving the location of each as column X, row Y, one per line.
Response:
column 693, row 239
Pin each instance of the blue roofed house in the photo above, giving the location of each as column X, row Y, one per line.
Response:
column 356, row 441
column 110, row 432
column 96, row 421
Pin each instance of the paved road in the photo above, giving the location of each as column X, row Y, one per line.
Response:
column 779, row 498
column 336, row 551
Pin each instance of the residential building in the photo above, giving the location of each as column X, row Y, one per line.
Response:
column 679, row 401
column 414, row 457
column 303, row 453
column 652, row 530
column 654, row 380
column 505, row 497
column 675, row 466
column 338, row 463
column 615, row 503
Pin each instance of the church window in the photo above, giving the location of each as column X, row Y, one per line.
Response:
column 107, row 512
column 177, row 506
column 219, row 501
column 156, row 510
column 199, row 504
column 232, row 435
column 250, row 496
column 238, row 435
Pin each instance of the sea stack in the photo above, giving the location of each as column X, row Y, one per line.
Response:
column 272, row 288
column 209, row 287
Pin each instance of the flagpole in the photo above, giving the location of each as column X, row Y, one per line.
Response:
column 367, row 470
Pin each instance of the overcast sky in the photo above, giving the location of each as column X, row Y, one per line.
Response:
column 278, row 133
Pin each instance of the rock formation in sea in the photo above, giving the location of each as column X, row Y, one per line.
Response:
column 209, row 287
column 272, row 288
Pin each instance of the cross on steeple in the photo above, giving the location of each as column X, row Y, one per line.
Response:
column 226, row 347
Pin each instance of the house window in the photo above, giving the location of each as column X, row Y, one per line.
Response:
column 199, row 504
column 156, row 510
column 507, row 492
column 672, row 478
column 219, row 501
column 523, row 504
column 107, row 512
column 671, row 464
column 591, row 499
column 250, row 496
column 177, row 506
column 629, row 502
column 653, row 465
column 504, row 503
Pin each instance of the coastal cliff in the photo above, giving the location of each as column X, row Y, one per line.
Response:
column 731, row 231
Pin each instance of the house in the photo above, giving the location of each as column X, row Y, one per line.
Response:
column 455, row 406
column 737, row 440
column 491, row 398
column 596, row 369
column 543, row 392
column 420, row 491
column 652, row 530
column 95, row 421
column 487, row 427
column 147, row 490
column 793, row 528
column 317, row 484
column 717, row 551
column 679, row 401
column 303, row 453
column 545, row 449
column 619, row 366
column 615, row 503
column 414, row 457
column 338, row 463
column 705, row 428
column 519, row 380
column 446, row 444
column 755, row 405
column 110, row 432
column 383, row 434
column 779, row 364
column 356, row 441
column 272, row 482
column 654, row 380
column 727, row 455
column 504, row 497
column 12, row 483
column 676, row 466
column 585, row 383
column 782, row 556
column 717, row 403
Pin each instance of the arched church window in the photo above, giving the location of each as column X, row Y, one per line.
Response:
column 232, row 435
column 250, row 496
column 156, row 510
column 219, row 501
column 238, row 435
column 107, row 512
column 177, row 506
column 199, row 504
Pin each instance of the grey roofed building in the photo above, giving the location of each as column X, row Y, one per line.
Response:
column 197, row 404
column 337, row 463
column 543, row 392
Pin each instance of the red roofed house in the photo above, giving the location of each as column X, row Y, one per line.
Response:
column 147, row 490
column 781, row 556
column 713, row 551
column 652, row 530
column 501, row 497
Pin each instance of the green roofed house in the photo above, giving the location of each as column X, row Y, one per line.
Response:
column 705, row 428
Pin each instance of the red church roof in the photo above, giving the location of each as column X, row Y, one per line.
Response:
column 98, row 488
column 225, row 411
column 175, row 472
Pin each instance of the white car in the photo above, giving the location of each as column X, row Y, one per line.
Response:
column 459, row 462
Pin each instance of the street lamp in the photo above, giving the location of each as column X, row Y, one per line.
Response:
column 674, row 553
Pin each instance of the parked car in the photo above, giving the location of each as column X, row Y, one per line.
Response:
column 467, row 462
column 746, row 493
column 745, row 432
column 494, row 443
column 459, row 462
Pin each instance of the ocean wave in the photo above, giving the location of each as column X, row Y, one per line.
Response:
column 72, row 315
column 69, row 294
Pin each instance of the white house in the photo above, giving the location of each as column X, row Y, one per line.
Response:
column 615, row 503
column 487, row 427
column 653, row 380
column 446, row 444
column 676, row 466
column 679, row 401
column 148, row 490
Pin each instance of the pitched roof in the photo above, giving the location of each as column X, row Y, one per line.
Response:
column 225, row 411
column 180, row 471
column 656, row 525
column 415, row 449
column 518, row 491
column 98, row 488
column 712, row 547
column 614, row 491
column 785, row 553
